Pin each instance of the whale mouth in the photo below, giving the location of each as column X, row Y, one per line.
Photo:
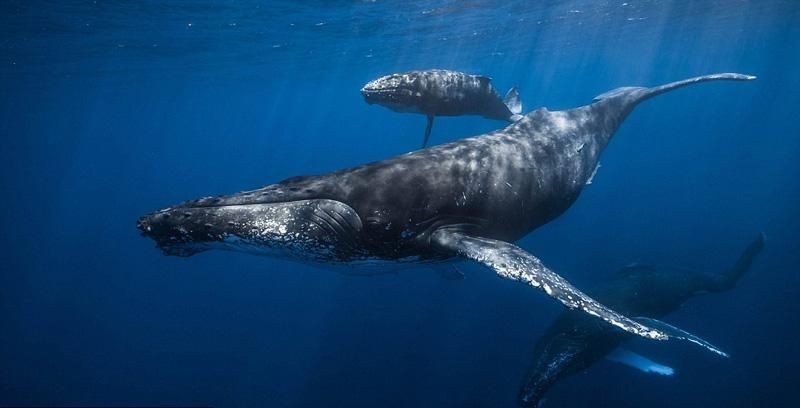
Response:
column 376, row 95
column 398, row 99
column 377, row 91
column 324, row 230
column 389, row 90
column 368, row 96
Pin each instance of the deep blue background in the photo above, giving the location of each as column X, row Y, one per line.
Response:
column 111, row 109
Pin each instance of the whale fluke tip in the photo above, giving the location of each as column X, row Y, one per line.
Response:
column 729, row 75
column 744, row 77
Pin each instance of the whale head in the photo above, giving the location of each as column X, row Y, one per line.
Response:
column 323, row 230
column 398, row 92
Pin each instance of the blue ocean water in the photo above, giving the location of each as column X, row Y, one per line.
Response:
column 111, row 109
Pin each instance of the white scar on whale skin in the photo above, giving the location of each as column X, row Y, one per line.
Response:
column 562, row 123
column 594, row 173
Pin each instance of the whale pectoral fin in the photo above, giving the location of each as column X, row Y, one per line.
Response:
column 511, row 262
column 427, row 131
column 676, row 333
column 639, row 362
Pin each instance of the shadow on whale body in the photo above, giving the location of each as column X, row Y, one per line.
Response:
column 575, row 342
column 470, row 199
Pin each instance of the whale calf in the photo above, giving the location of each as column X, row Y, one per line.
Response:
column 573, row 342
column 470, row 199
column 439, row 92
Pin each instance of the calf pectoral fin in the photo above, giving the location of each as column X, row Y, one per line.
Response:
column 676, row 333
column 427, row 131
column 511, row 262
column 639, row 362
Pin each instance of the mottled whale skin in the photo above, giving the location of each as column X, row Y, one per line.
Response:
column 470, row 198
column 439, row 92
column 574, row 342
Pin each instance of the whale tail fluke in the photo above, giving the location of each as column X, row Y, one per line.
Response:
column 639, row 94
column 514, row 104
column 620, row 102
column 727, row 279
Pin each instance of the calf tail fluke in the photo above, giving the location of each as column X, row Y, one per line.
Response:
column 513, row 103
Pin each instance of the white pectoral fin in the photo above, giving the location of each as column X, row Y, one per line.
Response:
column 511, row 262
column 639, row 362
column 676, row 333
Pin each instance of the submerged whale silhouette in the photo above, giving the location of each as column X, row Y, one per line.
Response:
column 574, row 342
column 470, row 198
column 439, row 92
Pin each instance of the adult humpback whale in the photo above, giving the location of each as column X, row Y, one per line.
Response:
column 574, row 342
column 439, row 92
column 470, row 198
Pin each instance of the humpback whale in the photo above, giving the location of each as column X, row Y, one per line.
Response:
column 573, row 343
column 439, row 92
column 470, row 198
